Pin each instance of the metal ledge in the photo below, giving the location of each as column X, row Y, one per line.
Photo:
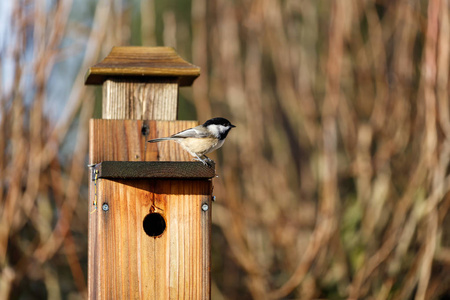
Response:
column 154, row 169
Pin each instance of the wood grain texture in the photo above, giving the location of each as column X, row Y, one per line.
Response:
column 145, row 64
column 154, row 169
column 124, row 262
column 126, row 140
column 132, row 265
column 140, row 101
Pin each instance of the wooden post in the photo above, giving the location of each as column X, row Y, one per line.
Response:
column 141, row 82
column 150, row 206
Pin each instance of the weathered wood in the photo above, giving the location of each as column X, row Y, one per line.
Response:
column 140, row 101
column 145, row 64
column 153, row 169
column 126, row 140
column 141, row 82
column 133, row 265
column 124, row 262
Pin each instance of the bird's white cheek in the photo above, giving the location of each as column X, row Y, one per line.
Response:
column 223, row 128
column 214, row 130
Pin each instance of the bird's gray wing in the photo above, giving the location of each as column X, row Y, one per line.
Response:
column 195, row 132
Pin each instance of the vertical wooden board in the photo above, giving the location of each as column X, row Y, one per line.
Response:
column 140, row 100
column 124, row 262
column 205, row 247
column 93, row 264
column 125, row 212
column 152, row 250
column 187, row 237
column 121, row 228
column 126, row 140
column 161, row 201
column 133, row 265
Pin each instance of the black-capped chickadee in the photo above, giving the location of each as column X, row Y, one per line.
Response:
column 203, row 139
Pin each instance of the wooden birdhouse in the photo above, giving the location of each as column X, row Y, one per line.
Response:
column 150, row 204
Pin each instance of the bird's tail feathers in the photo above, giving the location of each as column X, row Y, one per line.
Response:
column 159, row 140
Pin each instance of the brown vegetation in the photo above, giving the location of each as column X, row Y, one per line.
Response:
column 334, row 183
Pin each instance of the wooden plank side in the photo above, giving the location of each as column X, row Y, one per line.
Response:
column 205, row 247
column 126, row 140
column 140, row 100
column 189, row 263
column 120, row 230
column 134, row 265
column 93, row 263
column 124, row 262
column 161, row 248
column 154, row 169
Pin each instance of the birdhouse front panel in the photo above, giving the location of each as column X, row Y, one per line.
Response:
column 150, row 214
column 151, row 239
column 126, row 140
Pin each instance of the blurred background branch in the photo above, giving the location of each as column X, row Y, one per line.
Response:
column 334, row 185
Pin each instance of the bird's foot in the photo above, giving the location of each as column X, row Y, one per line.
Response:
column 207, row 161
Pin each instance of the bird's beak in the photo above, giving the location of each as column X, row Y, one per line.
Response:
column 232, row 126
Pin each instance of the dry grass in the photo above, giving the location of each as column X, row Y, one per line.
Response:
column 334, row 184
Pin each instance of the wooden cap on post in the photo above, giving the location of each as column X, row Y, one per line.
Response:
column 141, row 83
column 145, row 64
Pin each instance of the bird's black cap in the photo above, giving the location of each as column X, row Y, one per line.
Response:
column 218, row 121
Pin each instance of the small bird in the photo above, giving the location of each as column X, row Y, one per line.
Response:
column 202, row 139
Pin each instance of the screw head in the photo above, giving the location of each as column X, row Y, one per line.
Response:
column 105, row 207
column 205, row 207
